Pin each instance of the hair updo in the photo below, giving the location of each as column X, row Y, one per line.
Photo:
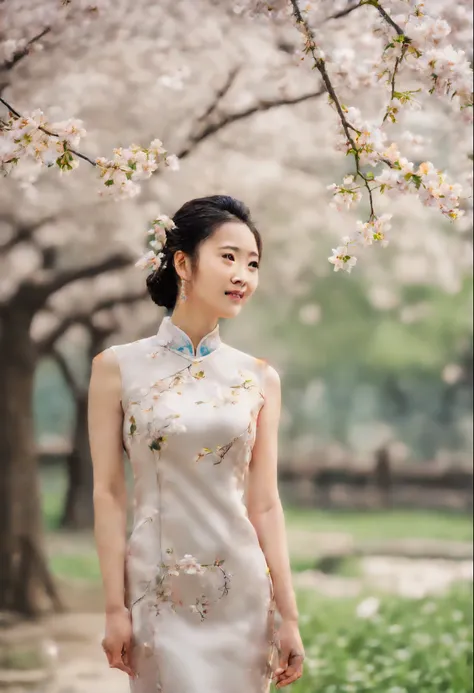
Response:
column 195, row 221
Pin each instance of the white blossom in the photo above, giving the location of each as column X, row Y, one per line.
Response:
column 368, row 608
column 342, row 259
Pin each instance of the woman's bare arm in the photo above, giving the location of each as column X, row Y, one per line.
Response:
column 263, row 499
column 266, row 514
column 110, row 501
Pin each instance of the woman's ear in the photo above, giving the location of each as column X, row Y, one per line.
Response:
column 179, row 263
column 182, row 265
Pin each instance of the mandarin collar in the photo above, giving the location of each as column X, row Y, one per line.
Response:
column 173, row 337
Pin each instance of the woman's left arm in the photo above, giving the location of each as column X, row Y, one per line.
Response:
column 266, row 514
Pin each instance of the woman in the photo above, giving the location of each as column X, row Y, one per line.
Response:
column 191, row 598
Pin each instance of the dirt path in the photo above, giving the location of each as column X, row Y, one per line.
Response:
column 72, row 659
column 82, row 666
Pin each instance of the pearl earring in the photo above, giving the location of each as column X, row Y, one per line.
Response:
column 182, row 295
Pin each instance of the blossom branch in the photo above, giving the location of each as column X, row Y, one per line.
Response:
column 320, row 65
column 120, row 175
column 366, row 146
column 390, row 113
column 23, row 52
column 386, row 16
column 346, row 11
column 47, row 132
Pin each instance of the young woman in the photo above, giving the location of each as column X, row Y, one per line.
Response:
column 192, row 597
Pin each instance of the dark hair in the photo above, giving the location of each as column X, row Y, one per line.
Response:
column 195, row 221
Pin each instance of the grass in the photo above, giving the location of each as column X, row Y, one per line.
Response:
column 388, row 524
column 400, row 646
column 53, row 490
column 21, row 658
column 76, row 567
column 345, row 566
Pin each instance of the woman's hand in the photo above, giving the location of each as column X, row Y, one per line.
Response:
column 291, row 654
column 118, row 639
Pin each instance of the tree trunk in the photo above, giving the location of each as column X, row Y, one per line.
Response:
column 25, row 580
column 78, row 510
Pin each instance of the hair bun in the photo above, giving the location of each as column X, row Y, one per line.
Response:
column 162, row 284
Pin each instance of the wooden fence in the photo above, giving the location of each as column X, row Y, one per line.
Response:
column 378, row 482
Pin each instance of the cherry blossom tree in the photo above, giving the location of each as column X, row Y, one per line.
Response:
column 374, row 60
column 405, row 42
column 50, row 245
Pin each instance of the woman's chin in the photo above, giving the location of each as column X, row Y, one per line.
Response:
column 230, row 311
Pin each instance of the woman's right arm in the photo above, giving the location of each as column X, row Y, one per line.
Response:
column 105, row 420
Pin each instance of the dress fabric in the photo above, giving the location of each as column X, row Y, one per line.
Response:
column 197, row 583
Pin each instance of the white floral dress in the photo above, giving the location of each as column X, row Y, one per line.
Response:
column 197, row 582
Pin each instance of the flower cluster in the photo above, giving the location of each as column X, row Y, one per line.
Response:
column 445, row 69
column 342, row 258
column 370, row 147
column 32, row 137
column 128, row 166
column 153, row 258
column 188, row 565
column 413, row 40
column 372, row 231
column 346, row 195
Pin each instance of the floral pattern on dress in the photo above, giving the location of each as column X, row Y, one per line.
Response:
column 156, row 436
column 161, row 592
column 242, row 465
column 231, row 394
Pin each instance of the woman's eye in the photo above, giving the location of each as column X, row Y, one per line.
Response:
column 230, row 256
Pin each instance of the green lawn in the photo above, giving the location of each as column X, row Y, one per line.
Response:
column 393, row 524
column 419, row 646
column 76, row 566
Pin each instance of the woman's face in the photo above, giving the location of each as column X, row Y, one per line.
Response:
column 228, row 262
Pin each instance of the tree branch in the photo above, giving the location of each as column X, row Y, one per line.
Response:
column 23, row 230
column 66, row 371
column 50, row 134
column 345, row 12
column 220, row 95
column 386, row 17
column 320, row 65
column 47, row 344
column 223, row 120
column 20, row 54
column 44, row 287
